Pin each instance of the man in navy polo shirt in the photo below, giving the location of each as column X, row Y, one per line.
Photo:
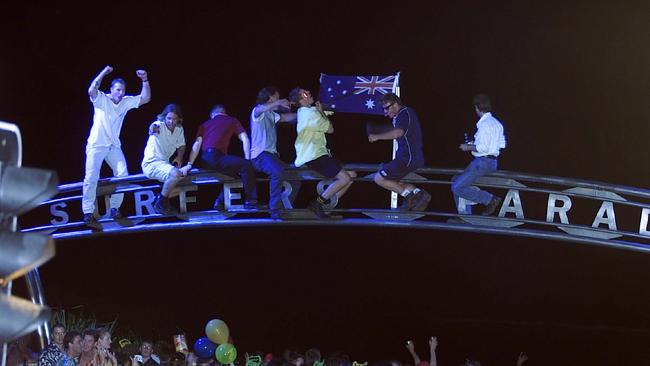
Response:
column 409, row 157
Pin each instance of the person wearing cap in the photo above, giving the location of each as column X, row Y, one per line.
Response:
column 409, row 156
column 104, row 140
column 488, row 142
column 166, row 139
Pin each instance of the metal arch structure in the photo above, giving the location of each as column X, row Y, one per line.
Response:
column 576, row 211
column 560, row 198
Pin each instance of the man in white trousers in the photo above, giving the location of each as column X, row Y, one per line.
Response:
column 104, row 140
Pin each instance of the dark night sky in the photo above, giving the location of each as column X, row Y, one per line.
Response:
column 569, row 82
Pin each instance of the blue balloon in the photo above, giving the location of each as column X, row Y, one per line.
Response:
column 204, row 348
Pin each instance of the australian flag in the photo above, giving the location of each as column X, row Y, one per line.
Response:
column 355, row 94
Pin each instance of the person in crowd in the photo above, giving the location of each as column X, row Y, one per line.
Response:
column 311, row 149
column 73, row 348
column 409, row 156
column 104, row 356
column 488, row 142
column 104, row 140
column 433, row 344
column 55, row 350
column 146, row 351
column 166, row 139
column 88, row 347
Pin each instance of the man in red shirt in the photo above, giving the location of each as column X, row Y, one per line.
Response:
column 213, row 139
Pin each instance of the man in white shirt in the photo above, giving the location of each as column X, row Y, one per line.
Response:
column 104, row 139
column 488, row 141
column 166, row 138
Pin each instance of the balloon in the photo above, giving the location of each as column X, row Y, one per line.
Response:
column 204, row 348
column 217, row 331
column 226, row 353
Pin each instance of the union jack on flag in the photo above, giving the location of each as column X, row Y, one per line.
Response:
column 356, row 94
column 374, row 83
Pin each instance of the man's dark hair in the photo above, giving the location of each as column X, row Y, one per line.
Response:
column 147, row 341
column 91, row 332
column 483, row 103
column 312, row 355
column 218, row 108
column 264, row 94
column 295, row 95
column 69, row 338
column 391, row 98
column 118, row 80
column 58, row 325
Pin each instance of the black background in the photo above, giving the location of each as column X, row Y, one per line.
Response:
column 569, row 81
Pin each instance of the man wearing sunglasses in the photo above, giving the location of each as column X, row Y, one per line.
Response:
column 409, row 157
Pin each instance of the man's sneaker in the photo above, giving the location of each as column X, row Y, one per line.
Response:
column 117, row 216
column 218, row 204
column 421, row 199
column 164, row 207
column 408, row 203
column 317, row 208
column 490, row 207
column 92, row 223
column 275, row 214
column 253, row 205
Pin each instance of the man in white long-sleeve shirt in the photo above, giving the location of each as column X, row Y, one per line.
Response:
column 488, row 141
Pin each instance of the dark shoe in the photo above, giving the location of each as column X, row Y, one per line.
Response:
column 408, row 203
column 276, row 214
column 117, row 214
column 122, row 220
column 92, row 223
column 219, row 205
column 421, row 199
column 164, row 207
column 253, row 205
column 490, row 207
column 455, row 220
column 317, row 208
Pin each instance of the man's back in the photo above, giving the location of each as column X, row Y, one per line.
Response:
column 217, row 132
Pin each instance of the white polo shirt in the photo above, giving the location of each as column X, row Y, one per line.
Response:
column 108, row 119
column 161, row 146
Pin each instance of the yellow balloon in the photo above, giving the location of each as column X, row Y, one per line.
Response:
column 217, row 331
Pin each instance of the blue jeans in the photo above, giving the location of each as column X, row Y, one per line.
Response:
column 233, row 166
column 461, row 185
column 271, row 165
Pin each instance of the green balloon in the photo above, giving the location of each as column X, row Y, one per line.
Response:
column 226, row 353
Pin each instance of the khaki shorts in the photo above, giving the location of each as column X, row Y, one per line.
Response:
column 159, row 170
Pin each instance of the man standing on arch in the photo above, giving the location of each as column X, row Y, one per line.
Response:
column 104, row 140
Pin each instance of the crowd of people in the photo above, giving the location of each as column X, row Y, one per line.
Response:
column 164, row 155
column 95, row 347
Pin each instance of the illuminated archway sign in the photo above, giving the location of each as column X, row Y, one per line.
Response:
column 533, row 206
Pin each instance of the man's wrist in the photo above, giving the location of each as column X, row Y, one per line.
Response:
column 145, row 81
